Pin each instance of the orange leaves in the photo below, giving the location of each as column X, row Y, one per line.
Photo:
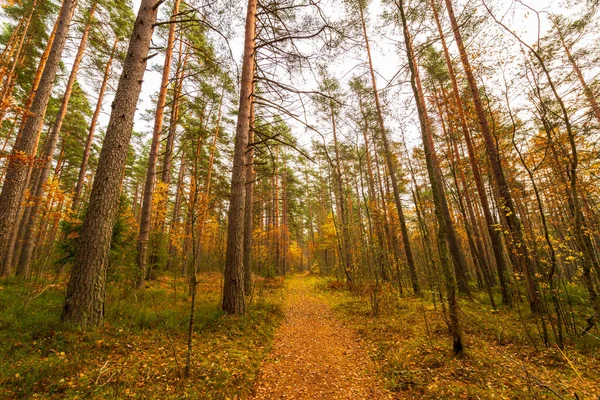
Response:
column 8, row 3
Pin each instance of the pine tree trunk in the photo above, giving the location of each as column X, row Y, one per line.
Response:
column 391, row 167
column 341, row 202
column 466, row 209
column 589, row 94
column 233, row 285
column 144, row 234
column 249, row 207
column 445, row 229
column 84, row 302
column 372, row 205
column 176, row 214
column 518, row 246
column 25, row 149
column 91, row 131
column 31, row 218
column 174, row 119
column 494, row 235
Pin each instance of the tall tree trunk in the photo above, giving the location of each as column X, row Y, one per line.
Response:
column 233, row 285
column 92, row 129
column 276, row 219
column 445, row 229
column 249, row 207
column 518, row 245
column 341, row 201
column 176, row 214
column 84, row 302
column 142, row 241
column 32, row 215
column 495, row 238
column 390, row 163
column 25, row 149
column 379, row 252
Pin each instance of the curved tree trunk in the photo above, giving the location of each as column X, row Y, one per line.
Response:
column 84, row 302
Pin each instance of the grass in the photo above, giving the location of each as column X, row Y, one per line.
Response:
column 139, row 351
column 409, row 341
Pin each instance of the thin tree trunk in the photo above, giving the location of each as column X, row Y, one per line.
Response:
column 249, row 209
column 589, row 94
column 7, row 88
column 25, row 149
column 84, row 302
column 142, row 241
column 31, row 218
column 518, row 245
column 379, row 253
column 176, row 213
column 445, row 229
column 91, row 131
column 341, row 202
column 494, row 235
column 390, row 163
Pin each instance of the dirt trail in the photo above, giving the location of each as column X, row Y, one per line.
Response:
column 314, row 356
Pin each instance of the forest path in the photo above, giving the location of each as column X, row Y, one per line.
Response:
column 314, row 356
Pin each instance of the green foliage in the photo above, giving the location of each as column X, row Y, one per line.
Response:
column 34, row 46
column 122, row 245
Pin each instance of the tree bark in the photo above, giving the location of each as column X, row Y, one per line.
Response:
column 233, row 285
column 446, row 235
column 174, row 118
column 84, row 302
column 494, row 235
column 31, row 217
column 390, row 163
column 341, row 201
column 249, row 207
column 8, row 86
column 142, row 241
column 25, row 148
column 91, row 131
column 518, row 246
column 589, row 94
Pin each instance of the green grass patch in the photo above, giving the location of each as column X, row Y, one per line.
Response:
column 139, row 351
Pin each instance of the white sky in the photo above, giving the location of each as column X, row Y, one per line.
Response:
column 387, row 59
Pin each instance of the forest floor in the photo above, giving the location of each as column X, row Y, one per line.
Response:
column 139, row 351
column 505, row 357
column 314, row 356
column 305, row 337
